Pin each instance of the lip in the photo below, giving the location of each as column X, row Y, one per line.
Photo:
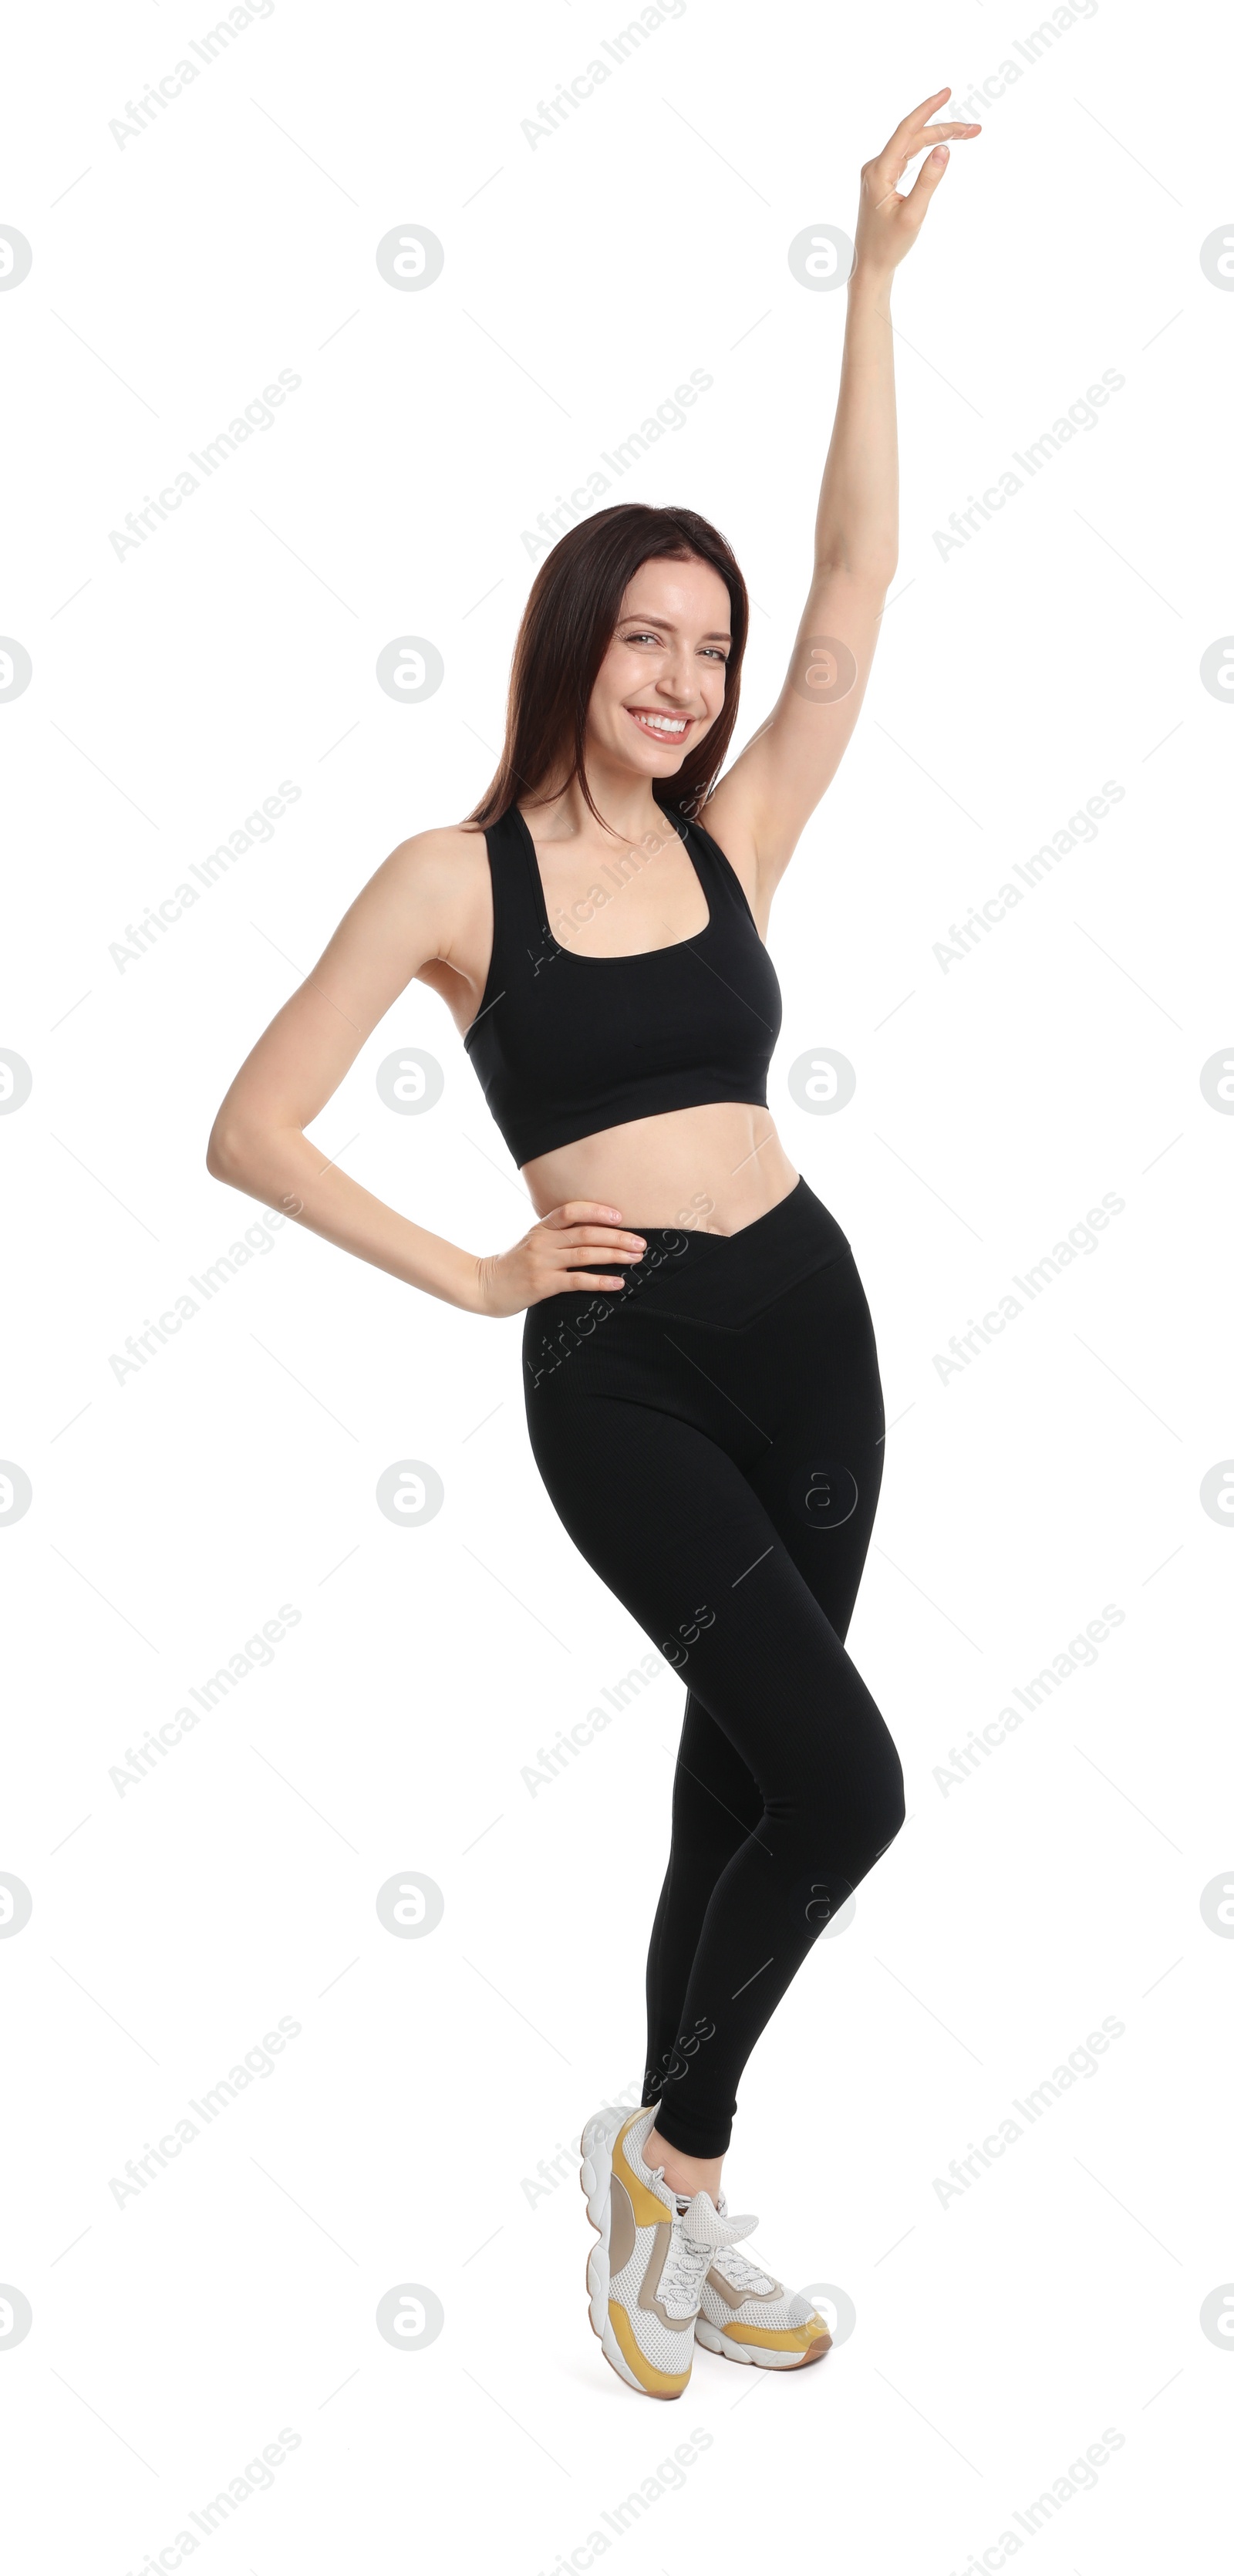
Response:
column 656, row 732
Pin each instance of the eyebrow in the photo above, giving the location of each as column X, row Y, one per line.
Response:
column 642, row 617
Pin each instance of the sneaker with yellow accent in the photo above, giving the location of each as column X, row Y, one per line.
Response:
column 749, row 2316
column 646, row 2276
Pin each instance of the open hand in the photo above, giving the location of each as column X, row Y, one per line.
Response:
column 549, row 1259
column 888, row 224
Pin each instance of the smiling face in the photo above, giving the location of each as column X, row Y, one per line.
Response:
column 660, row 686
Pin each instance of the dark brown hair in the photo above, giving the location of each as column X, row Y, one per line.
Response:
column 568, row 623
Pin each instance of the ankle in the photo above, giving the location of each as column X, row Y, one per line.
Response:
column 683, row 2174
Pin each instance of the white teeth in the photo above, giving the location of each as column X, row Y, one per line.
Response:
column 661, row 724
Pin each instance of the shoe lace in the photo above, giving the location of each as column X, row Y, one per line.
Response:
column 699, row 2233
column 743, row 2274
column 737, row 2269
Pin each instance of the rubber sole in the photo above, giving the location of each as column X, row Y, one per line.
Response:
column 596, row 2176
column 754, row 2355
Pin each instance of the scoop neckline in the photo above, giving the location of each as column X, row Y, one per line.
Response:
column 629, row 956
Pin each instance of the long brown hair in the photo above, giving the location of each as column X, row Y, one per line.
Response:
column 567, row 626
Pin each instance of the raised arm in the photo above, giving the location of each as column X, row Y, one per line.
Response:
column 765, row 800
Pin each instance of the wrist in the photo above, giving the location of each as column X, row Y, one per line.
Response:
column 475, row 1296
column 869, row 280
column 461, row 1281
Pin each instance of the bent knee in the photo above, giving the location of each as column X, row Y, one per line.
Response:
column 891, row 1806
column 855, row 1818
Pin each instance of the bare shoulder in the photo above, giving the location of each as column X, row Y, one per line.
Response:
column 435, row 888
column 445, row 856
column 443, row 841
column 432, row 884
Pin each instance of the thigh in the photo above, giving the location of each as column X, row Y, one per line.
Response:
column 819, row 1475
column 660, row 1512
column 677, row 1531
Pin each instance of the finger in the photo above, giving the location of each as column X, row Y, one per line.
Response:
column 920, row 141
column 585, row 1279
column 598, row 1253
column 578, row 1211
column 915, row 115
column 601, row 1238
column 927, row 179
column 592, row 1251
column 911, row 124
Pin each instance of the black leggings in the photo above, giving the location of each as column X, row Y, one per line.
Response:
column 711, row 1436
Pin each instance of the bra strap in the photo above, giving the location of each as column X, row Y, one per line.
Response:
column 525, row 918
column 720, row 866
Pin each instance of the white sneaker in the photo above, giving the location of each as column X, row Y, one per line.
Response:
column 748, row 2316
column 647, row 2274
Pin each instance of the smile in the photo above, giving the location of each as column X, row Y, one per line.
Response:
column 667, row 728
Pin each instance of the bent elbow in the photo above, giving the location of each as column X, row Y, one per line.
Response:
column 226, row 1159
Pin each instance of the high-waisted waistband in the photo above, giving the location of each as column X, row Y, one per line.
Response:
column 723, row 1279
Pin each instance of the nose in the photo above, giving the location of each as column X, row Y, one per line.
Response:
column 677, row 682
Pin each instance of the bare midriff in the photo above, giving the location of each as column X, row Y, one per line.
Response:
column 710, row 1170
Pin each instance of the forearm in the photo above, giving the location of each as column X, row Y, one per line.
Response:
column 285, row 1171
column 857, row 530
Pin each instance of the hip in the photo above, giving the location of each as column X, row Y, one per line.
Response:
column 732, row 1289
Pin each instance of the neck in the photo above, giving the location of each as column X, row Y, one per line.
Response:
column 624, row 799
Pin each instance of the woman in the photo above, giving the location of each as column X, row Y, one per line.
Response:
column 701, row 1379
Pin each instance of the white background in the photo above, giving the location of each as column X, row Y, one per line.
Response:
column 998, row 2333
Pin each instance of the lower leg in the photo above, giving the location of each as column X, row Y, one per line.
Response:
column 835, row 1800
column 716, row 1805
column 683, row 2174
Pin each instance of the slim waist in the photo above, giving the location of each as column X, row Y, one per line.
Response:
column 798, row 1220
column 727, row 1279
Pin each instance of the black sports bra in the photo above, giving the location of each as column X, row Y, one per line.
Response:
column 566, row 1045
